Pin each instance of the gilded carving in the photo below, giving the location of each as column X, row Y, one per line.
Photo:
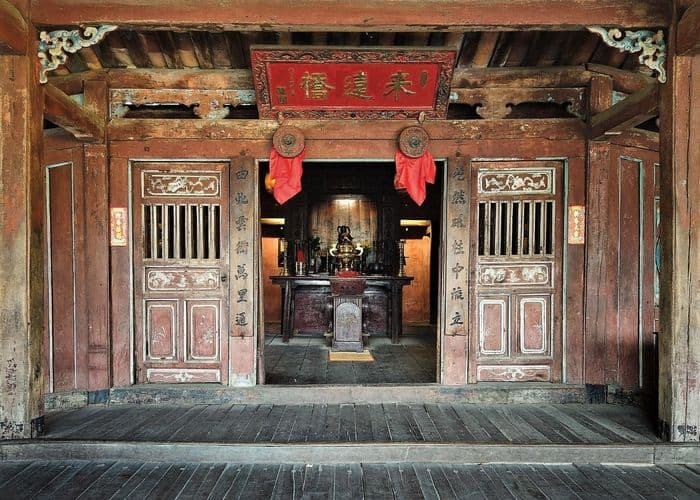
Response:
column 516, row 181
column 199, row 184
column 499, row 274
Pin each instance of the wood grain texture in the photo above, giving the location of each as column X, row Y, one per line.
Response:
column 14, row 30
column 61, row 110
column 374, row 15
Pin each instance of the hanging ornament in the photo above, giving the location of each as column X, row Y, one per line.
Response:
column 286, row 157
column 414, row 163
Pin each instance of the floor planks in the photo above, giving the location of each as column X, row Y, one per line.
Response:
column 388, row 422
column 117, row 480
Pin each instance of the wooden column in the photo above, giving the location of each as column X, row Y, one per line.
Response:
column 679, row 336
column 21, row 247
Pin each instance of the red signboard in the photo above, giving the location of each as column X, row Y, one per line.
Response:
column 352, row 83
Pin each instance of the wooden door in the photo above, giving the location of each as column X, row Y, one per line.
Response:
column 516, row 269
column 181, row 267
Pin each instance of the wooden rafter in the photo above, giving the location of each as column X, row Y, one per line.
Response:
column 350, row 15
column 688, row 37
column 632, row 111
column 628, row 82
column 14, row 32
column 80, row 121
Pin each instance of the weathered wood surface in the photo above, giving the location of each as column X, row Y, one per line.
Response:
column 688, row 40
column 80, row 121
column 679, row 338
column 14, row 30
column 241, row 79
column 387, row 422
column 373, row 15
column 619, row 330
column 122, row 479
column 145, row 129
column 625, row 81
column 633, row 110
column 21, row 247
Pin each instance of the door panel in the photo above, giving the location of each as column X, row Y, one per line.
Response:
column 516, row 261
column 181, row 267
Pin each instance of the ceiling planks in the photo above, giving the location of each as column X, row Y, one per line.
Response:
column 350, row 15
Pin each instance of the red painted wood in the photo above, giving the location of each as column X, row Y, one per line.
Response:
column 120, row 271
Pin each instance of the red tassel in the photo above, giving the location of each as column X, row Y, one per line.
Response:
column 286, row 173
column 413, row 173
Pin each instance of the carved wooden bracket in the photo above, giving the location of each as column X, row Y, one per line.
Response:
column 497, row 103
column 211, row 104
column 55, row 46
column 651, row 45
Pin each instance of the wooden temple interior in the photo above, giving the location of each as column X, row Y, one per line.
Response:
column 333, row 203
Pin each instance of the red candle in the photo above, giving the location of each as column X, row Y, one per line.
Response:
column 300, row 255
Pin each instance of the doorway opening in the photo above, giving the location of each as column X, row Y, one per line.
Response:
column 396, row 238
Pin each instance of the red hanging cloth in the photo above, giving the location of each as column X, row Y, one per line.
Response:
column 413, row 173
column 286, row 174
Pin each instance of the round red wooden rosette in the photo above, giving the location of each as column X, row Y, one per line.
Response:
column 413, row 141
column 288, row 141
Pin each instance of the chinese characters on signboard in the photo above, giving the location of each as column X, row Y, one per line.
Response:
column 353, row 83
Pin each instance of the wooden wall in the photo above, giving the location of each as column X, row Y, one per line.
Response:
column 77, row 339
column 622, row 190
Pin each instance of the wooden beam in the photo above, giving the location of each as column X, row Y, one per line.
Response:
column 241, row 79
column 688, row 35
column 624, row 115
column 14, row 31
column 625, row 81
column 63, row 111
column 126, row 129
column 350, row 15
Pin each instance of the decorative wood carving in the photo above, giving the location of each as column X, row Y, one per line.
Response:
column 494, row 327
column 200, row 184
column 516, row 181
column 651, row 45
column 288, row 141
column 497, row 102
column 513, row 373
column 162, row 279
column 160, row 329
column 357, row 83
column 55, row 46
column 170, row 375
column 514, row 274
column 206, row 103
column 413, row 141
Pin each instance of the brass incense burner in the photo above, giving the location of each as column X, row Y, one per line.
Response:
column 345, row 251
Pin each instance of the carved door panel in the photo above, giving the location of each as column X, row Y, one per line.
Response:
column 516, row 269
column 181, row 267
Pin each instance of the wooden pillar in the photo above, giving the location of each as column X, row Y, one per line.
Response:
column 679, row 336
column 21, row 246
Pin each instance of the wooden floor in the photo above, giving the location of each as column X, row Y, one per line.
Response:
column 65, row 479
column 304, row 360
column 324, row 423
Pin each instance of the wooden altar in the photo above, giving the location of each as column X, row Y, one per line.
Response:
column 307, row 304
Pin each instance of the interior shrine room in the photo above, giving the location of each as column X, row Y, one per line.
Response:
column 339, row 249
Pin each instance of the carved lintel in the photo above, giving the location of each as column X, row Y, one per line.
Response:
column 209, row 104
column 497, row 103
column 651, row 45
column 55, row 46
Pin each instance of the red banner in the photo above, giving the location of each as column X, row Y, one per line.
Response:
column 354, row 83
